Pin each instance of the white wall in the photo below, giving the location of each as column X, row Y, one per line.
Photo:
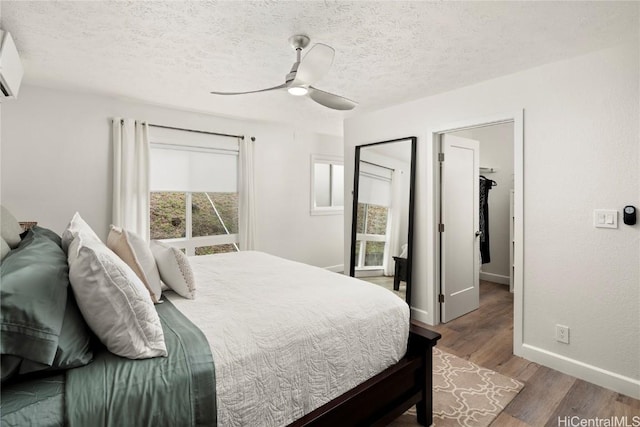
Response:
column 57, row 159
column 496, row 151
column 581, row 152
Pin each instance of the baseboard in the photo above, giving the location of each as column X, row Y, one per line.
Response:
column 336, row 268
column 495, row 278
column 421, row 316
column 593, row 374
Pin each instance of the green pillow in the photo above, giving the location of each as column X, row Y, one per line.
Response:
column 40, row 324
column 52, row 235
column 74, row 344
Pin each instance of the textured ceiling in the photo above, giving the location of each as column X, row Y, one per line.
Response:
column 173, row 53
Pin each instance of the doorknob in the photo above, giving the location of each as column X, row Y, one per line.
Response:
column 478, row 233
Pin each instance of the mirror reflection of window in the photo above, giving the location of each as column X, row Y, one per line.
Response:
column 372, row 234
column 373, row 206
column 327, row 196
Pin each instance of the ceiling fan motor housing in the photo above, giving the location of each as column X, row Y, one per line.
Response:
column 299, row 41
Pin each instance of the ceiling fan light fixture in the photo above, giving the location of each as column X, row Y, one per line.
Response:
column 305, row 72
column 298, row 90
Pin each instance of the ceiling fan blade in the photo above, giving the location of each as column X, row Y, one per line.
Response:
column 251, row 91
column 315, row 64
column 330, row 100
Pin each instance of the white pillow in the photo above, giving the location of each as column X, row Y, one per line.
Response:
column 175, row 270
column 113, row 301
column 76, row 226
column 136, row 253
column 9, row 228
column 4, row 249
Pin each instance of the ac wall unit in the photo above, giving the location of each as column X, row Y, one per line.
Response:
column 11, row 70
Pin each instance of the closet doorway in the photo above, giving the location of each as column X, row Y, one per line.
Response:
column 477, row 181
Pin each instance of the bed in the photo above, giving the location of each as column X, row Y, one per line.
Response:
column 266, row 342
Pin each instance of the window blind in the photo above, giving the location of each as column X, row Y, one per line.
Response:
column 183, row 161
column 374, row 186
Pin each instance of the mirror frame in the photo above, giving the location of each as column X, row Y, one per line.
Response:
column 354, row 216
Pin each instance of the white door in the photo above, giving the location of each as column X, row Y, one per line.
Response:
column 459, row 238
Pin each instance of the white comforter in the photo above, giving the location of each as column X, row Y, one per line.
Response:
column 287, row 337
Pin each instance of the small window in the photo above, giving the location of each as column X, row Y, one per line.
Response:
column 327, row 185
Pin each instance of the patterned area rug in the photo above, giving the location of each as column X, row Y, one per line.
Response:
column 464, row 394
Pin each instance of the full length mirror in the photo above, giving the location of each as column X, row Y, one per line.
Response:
column 382, row 223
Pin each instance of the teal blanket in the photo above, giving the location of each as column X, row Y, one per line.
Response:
column 35, row 403
column 171, row 391
column 178, row 390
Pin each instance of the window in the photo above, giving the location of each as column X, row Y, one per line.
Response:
column 194, row 193
column 327, row 185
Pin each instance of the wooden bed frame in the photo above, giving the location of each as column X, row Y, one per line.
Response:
column 385, row 397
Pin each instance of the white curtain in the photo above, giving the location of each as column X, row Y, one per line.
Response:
column 131, row 176
column 394, row 220
column 246, row 190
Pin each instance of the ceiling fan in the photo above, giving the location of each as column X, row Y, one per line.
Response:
column 305, row 72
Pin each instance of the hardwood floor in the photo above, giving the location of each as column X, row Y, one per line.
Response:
column 549, row 398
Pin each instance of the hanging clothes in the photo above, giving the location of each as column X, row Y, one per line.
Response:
column 485, row 186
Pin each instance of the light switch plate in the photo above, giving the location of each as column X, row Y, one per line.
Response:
column 605, row 218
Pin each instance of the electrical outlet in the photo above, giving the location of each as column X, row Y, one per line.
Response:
column 562, row 334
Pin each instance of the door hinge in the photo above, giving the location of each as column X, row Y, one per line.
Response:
column 441, row 157
column 441, row 298
column 441, row 228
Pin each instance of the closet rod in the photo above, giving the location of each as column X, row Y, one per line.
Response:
column 375, row 164
column 199, row 131
column 485, row 169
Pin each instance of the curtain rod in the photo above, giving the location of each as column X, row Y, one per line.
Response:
column 200, row 131
column 380, row 166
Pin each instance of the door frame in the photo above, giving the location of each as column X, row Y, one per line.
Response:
column 517, row 118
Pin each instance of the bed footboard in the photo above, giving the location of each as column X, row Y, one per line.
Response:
column 383, row 398
column 423, row 340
